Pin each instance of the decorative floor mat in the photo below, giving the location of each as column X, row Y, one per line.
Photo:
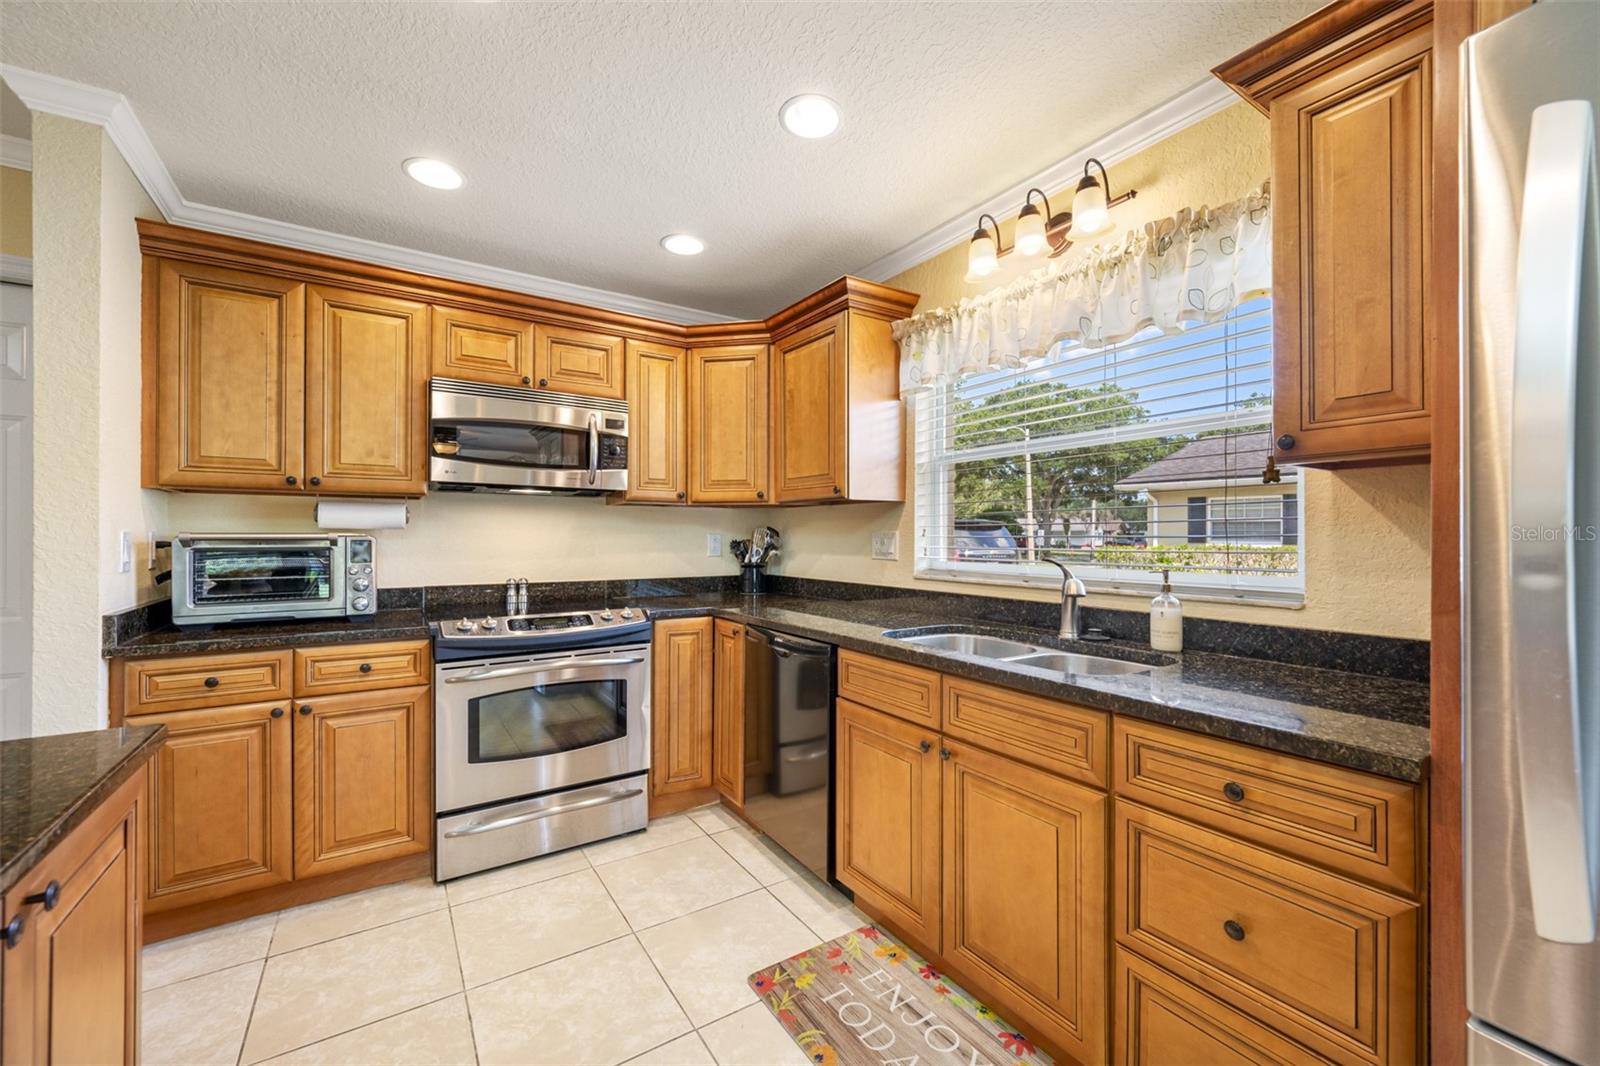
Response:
column 865, row 1000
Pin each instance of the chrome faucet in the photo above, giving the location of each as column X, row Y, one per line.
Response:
column 1072, row 591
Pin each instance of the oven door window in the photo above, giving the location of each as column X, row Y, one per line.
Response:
column 546, row 720
column 228, row 575
column 512, row 444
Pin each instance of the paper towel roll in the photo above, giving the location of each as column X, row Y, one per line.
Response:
column 362, row 514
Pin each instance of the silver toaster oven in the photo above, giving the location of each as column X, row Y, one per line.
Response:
column 258, row 577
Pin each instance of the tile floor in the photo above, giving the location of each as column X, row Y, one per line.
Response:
column 630, row 950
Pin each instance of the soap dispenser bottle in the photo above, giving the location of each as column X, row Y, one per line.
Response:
column 1166, row 618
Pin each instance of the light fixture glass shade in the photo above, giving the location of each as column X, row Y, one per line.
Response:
column 809, row 115
column 1029, row 235
column 981, row 259
column 683, row 244
column 434, row 173
column 1090, row 216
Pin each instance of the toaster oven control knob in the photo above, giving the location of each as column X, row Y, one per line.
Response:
column 489, row 624
column 367, row 570
column 464, row 626
column 361, row 584
column 352, row 570
column 361, row 603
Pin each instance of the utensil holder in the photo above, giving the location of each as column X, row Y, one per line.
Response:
column 752, row 579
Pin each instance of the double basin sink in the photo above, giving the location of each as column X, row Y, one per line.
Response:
column 984, row 646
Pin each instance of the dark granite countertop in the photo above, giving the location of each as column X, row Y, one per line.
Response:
column 48, row 785
column 1364, row 722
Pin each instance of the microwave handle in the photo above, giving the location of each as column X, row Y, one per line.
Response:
column 594, row 447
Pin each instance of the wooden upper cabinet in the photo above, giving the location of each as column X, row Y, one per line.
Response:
column 728, row 424
column 1349, row 95
column 224, row 367
column 657, row 441
column 476, row 346
column 363, row 778
column 836, row 412
column 681, row 706
column 366, row 393
column 578, row 361
column 727, row 721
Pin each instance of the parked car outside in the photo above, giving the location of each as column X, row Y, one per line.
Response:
column 979, row 540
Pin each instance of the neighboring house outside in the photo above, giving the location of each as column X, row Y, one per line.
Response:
column 1210, row 492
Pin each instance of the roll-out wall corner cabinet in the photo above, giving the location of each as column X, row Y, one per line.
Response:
column 276, row 370
column 1349, row 94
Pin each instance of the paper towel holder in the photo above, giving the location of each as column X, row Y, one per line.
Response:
column 362, row 514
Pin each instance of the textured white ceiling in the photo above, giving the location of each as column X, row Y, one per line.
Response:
column 586, row 131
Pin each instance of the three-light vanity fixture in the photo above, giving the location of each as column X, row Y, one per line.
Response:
column 1090, row 217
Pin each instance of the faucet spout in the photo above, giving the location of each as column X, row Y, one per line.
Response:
column 1072, row 590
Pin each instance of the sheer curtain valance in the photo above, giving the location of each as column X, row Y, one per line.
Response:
column 1195, row 266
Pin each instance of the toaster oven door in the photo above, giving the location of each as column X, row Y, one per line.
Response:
column 227, row 578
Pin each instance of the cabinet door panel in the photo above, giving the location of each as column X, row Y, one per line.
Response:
column 220, row 801
column 1353, row 155
column 727, row 732
column 578, row 361
column 681, row 706
column 366, row 398
column 227, row 406
column 808, row 414
column 728, row 424
column 1041, row 951
column 656, row 440
column 475, row 346
column 887, row 810
column 363, row 767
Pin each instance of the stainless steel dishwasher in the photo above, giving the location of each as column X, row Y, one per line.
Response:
column 789, row 744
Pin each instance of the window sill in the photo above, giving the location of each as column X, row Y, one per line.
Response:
column 1008, row 576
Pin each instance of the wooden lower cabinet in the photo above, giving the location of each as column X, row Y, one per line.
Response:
column 220, row 805
column 69, row 986
column 681, row 706
column 363, row 770
column 887, row 809
column 1025, row 876
column 727, row 727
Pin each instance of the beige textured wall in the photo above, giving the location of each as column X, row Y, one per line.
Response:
column 16, row 212
column 1366, row 546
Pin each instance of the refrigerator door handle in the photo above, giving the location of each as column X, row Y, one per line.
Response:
column 1554, row 717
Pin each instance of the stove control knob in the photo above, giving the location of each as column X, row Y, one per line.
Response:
column 627, row 612
column 361, row 584
column 605, row 615
column 360, row 604
column 489, row 625
column 464, row 626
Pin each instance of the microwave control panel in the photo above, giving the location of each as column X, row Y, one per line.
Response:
column 613, row 453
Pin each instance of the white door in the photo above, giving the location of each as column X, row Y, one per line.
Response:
column 16, row 519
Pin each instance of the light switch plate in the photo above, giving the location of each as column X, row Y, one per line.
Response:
column 713, row 544
column 886, row 545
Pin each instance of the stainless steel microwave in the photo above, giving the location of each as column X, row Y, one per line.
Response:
column 494, row 438
column 258, row 577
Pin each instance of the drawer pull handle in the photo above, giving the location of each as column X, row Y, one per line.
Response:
column 212, row 682
column 925, row 747
column 277, row 712
column 305, row 708
column 1234, row 791
column 49, row 897
column 11, row 932
column 1234, row 930
column 944, row 753
column 366, row 668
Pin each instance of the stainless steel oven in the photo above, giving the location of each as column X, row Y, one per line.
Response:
column 541, row 750
column 493, row 438
column 257, row 577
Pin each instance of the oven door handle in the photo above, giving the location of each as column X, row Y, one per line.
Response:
column 547, row 812
column 540, row 668
column 594, row 447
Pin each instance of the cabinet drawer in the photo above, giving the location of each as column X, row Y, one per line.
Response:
column 1330, row 962
column 154, row 685
column 908, row 692
column 1164, row 1021
column 1071, row 741
column 1357, row 824
column 360, row 667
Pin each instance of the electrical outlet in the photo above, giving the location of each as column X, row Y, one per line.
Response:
column 886, row 545
column 713, row 544
column 125, row 552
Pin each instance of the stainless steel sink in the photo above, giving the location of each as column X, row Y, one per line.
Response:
column 1072, row 663
column 984, row 647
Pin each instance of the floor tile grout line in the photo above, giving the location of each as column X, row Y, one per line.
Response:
column 255, row 998
column 357, row 932
column 353, row 1028
column 646, row 851
column 790, row 876
column 455, row 943
column 547, row 962
column 651, row 960
column 657, row 925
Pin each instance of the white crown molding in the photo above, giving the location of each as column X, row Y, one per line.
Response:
column 17, row 269
column 58, row 96
column 16, row 152
column 1160, row 122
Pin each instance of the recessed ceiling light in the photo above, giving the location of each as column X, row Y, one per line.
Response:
column 809, row 115
column 434, row 173
column 683, row 244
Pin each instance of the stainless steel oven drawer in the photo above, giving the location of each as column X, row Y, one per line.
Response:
column 523, row 829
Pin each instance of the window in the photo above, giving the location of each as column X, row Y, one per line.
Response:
column 1122, row 461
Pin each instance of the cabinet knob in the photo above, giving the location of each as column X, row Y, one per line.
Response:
column 290, row 480
column 277, row 712
column 212, row 682
column 49, row 897
column 924, row 747
column 11, row 932
column 836, row 490
column 316, row 481
column 1286, row 441
column 366, row 668
column 526, row 380
column 544, row 382
column 680, row 495
column 760, row 495
column 1234, row 930
column 1234, row 791
column 305, row 708
column 944, row 753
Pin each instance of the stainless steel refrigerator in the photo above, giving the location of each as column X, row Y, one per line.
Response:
column 1531, row 477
